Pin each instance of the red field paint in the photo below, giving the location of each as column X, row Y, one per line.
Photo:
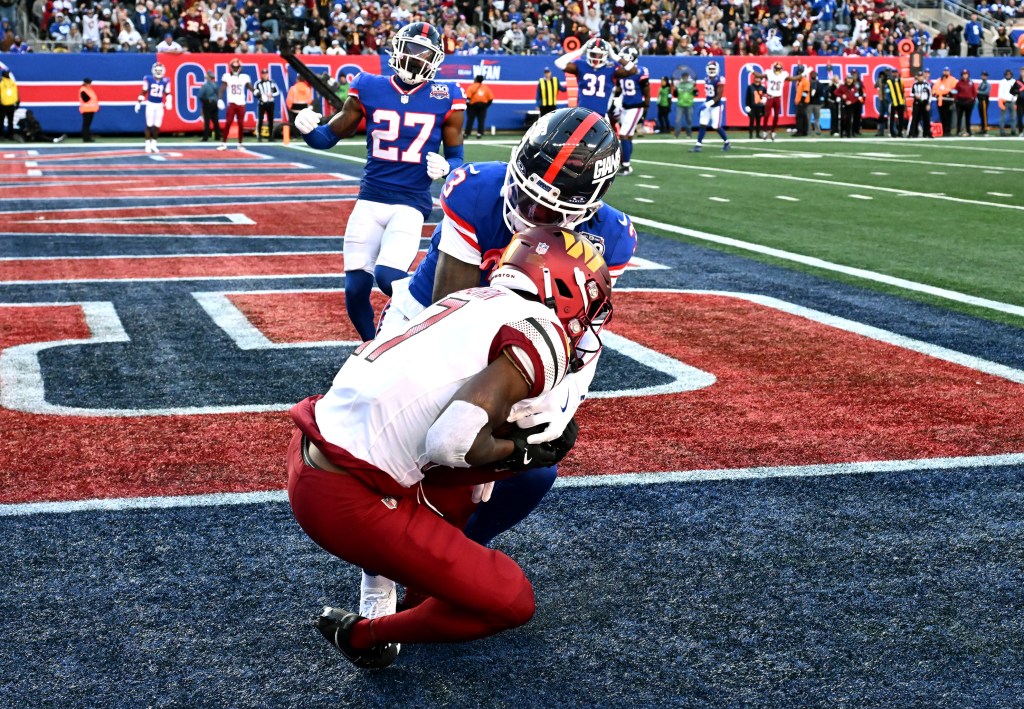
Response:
column 789, row 391
column 294, row 217
column 302, row 317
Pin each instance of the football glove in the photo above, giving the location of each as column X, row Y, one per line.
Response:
column 547, row 412
column 437, row 166
column 220, row 104
column 307, row 120
column 527, row 455
column 167, row 103
column 138, row 106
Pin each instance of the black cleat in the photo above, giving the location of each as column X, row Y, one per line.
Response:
column 336, row 624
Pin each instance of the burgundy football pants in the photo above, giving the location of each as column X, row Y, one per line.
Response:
column 473, row 591
column 234, row 111
column 772, row 110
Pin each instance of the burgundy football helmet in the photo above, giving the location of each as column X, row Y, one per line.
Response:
column 566, row 273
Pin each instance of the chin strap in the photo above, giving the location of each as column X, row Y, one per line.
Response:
column 549, row 297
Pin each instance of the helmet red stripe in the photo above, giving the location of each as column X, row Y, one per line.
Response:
column 570, row 145
column 426, row 28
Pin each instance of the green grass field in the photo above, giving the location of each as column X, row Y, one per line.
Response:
column 943, row 213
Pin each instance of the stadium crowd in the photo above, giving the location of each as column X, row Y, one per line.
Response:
column 685, row 27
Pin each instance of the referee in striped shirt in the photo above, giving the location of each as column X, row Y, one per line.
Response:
column 547, row 92
column 266, row 101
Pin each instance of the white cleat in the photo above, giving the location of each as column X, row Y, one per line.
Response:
column 222, row 146
column 155, row 149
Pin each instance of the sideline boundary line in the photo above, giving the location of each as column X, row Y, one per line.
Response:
column 123, row 504
column 814, row 262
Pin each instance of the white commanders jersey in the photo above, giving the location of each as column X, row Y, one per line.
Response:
column 237, row 85
column 392, row 389
column 775, row 83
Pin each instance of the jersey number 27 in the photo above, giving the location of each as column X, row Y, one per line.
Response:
column 388, row 133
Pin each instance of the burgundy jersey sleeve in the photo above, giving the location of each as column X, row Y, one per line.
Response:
column 538, row 347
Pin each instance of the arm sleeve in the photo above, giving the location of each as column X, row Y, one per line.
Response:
column 455, row 155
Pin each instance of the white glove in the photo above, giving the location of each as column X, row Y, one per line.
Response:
column 307, row 120
column 167, row 103
column 138, row 107
column 220, row 104
column 437, row 167
column 482, row 492
column 556, row 409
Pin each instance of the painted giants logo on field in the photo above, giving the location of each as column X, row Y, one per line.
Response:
column 719, row 380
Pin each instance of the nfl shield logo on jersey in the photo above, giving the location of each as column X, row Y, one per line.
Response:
column 439, row 91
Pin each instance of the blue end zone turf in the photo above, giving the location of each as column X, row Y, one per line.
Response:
column 874, row 590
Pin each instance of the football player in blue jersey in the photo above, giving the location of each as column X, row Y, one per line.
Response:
column 155, row 96
column 557, row 176
column 595, row 75
column 713, row 114
column 408, row 117
column 636, row 99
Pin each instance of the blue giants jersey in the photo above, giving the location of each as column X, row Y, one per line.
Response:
column 711, row 85
column 401, row 128
column 473, row 212
column 156, row 89
column 595, row 86
column 633, row 87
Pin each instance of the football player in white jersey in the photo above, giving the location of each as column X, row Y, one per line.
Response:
column 238, row 87
column 775, row 87
column 382, row 469
column 155, row 96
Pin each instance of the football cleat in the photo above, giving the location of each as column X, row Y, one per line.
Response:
column 727, row 146
column 336, row 625
column 695, row 149
column 625, row 170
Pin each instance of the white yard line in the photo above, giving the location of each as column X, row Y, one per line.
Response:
column 121, row 504
column 832, row 183
column 893, row 158
column 903, row 283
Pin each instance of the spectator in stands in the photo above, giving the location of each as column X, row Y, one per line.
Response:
column 169, row 46
column 1002, row 45
column 91, row 26
column 1007, row 100
column 195, row 29
column 9, row 12
column 966, row 96
column 514, row 41
column 974, row 33
column 480, row 98
column 954, row 36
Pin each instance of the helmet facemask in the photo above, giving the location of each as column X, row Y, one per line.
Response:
column 414, row 58
column 532, row 202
